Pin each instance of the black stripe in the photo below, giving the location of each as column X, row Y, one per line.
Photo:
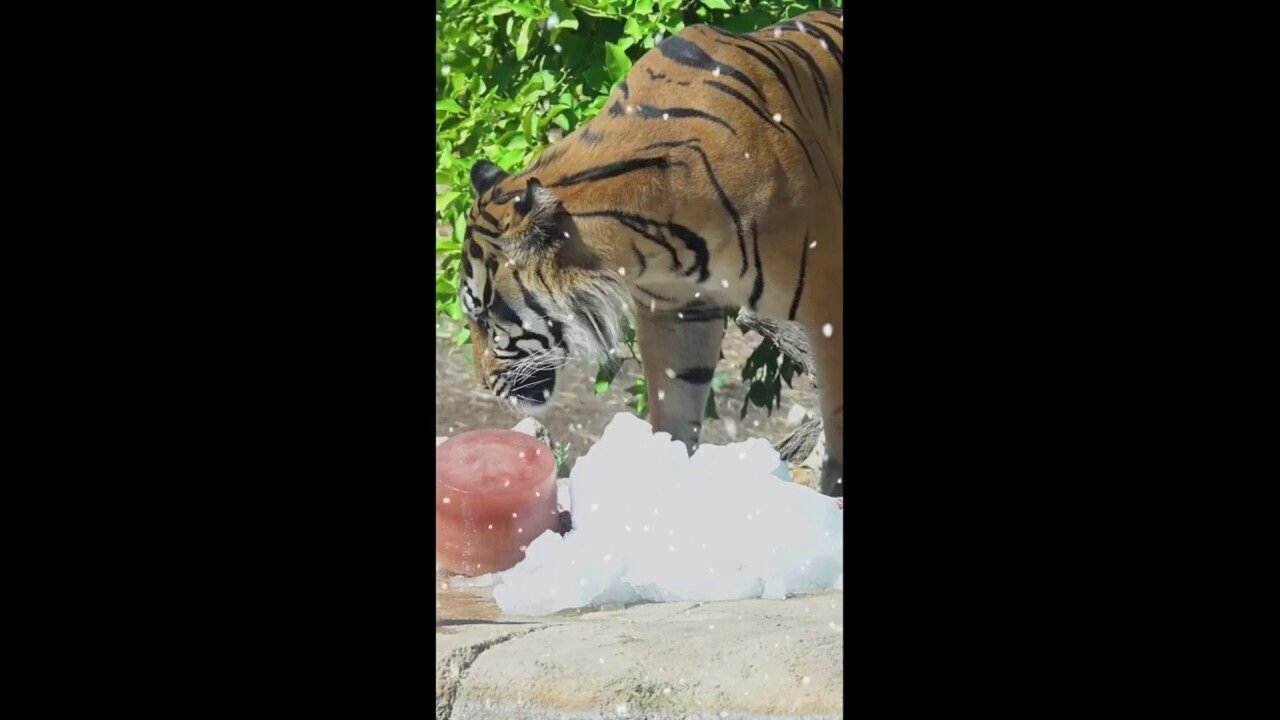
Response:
column 699, row 312
column 551, row 155
column 539, row 310
column 831, row 44
column 640, row 259
column 693, row 241
column 837, row 28
column 648, row 112
column 715, row 183
column 820, row 82
column 656, row 296
column 489, row 218
column 640, row 225
column 777, row 71
column 614, row 169
column 697, row 375
column 773, row 124
column 591, row 137
column 474, row 250
column 653, row 75
column 839, row 182
column 537, row 273
column 804, row 256
column 758, row 288
column 626, row 92
column 486, row 232
column 790, row 66
column 683, row 52
column 742, row 99
column 501, row 309
column 803, row 147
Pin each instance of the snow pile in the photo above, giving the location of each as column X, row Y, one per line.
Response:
column 651, row 523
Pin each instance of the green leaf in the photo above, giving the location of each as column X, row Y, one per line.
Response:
column 616, row 61
column 522, row 40
column 716, row 4
column 644, row 7
column 460, row 227
column 463, row 336
column 448, row 105
column 562, row 121
column 604, row 378
column 632, row 28
column 442, row 201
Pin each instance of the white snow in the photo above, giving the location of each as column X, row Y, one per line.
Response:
column 726, row 524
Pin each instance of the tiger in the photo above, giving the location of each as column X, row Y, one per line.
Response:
column 712, row 178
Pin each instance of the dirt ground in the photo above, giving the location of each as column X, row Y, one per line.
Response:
column 578, row 416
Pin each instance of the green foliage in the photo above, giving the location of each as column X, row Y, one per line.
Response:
column 561, row 453
column 512, row 77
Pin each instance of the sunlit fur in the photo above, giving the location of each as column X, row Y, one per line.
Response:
column 713, row 178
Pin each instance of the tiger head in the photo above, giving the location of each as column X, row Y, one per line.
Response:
column 533, row 290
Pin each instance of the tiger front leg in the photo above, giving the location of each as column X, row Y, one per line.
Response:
column 827, row 341
column 680, row 357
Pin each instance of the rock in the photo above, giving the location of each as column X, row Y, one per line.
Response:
column 662, row 661
column 530, row 426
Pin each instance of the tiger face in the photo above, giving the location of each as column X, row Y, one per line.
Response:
column 530, row 291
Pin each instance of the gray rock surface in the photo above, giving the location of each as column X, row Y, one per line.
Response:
column 744, row 659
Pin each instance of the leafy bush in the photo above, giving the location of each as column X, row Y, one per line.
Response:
column 514, row 77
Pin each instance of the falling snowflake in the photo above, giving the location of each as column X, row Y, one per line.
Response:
column 671, row 373
column 724, row 283
column 813, row 244
column 826, row 329
column 446, row 501
column 777, row 117
column 622, row 271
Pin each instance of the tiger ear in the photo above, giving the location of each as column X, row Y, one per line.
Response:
column 525, row 202
column 485, row 175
